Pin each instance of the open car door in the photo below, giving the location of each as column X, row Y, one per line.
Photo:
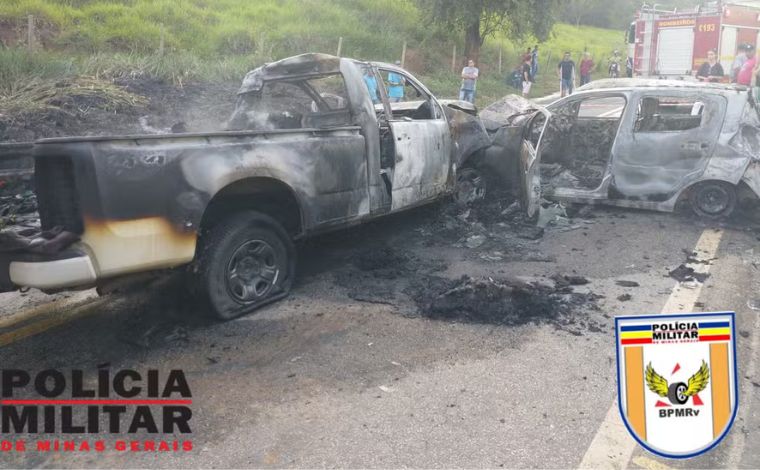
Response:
column 530, row 162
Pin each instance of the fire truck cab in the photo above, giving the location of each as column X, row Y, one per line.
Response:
column 674, row 43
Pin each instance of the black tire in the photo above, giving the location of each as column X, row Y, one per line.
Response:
column 713, row 199
column 471, row 186
column 676, row 393
column 244, row 262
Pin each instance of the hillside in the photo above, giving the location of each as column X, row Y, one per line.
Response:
column 216, row 41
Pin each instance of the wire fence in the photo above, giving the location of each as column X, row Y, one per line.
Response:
column 32, row 33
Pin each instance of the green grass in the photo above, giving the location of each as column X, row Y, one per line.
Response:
column 219, row 40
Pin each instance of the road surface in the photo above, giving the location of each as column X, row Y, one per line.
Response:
column 347, row 373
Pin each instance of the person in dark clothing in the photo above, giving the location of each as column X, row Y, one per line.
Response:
column 527, row 77
column 534, row 62
column 711, row 71
column 566, row 72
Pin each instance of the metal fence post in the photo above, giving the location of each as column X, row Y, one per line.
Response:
column 403, row 55
column 454, row 59
column 30, row 32
column 340, row 46
column 162, row 40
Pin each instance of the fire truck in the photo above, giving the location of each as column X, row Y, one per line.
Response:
column 674, row 43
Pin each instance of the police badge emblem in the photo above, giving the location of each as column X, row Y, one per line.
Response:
column 677, row 380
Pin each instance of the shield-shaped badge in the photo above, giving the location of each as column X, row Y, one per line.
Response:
column 677, row 384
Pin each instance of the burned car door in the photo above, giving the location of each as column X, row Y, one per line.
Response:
column 421, row 143
column 578, row 146
column 530, row 162
column 666, row 143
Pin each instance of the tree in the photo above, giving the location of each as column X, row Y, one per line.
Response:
column 578, row 10
column 479, row 19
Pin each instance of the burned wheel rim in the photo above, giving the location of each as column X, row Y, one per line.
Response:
column 471, row 186
column 713, row 199
column 252, row 271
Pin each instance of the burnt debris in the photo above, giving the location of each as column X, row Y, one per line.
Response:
column 503, row 301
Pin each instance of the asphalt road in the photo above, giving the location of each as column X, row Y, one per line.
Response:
column 347, row 373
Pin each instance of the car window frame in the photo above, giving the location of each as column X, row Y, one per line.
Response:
column 696, row 99
column 435, row 106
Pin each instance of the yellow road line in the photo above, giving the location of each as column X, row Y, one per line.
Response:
column 27, row 314
column 650, row 464
column 612, row 446
column 58, row 319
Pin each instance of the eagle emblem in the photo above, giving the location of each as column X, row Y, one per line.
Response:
column 678, row 393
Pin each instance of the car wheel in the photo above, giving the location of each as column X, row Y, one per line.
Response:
column 244, row 262
column 471, row 186
column 676, row 393
column 713, row 199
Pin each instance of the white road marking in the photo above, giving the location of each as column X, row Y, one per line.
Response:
column 612, row 446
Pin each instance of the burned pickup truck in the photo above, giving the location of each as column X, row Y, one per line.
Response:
column 648, row 144
column 314, row 144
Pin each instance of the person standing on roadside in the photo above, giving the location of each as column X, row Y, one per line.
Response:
column 587, row 65
column 566, row 72
column 395, row 86
column 746, row 74
column 710, row 71
column 527, row 54
column 371, row 82
column 527, row 76
column 741, row 57
column 469, row 82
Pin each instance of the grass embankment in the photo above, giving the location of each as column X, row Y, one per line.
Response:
column 219, row 40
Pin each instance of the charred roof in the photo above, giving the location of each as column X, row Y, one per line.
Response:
column 300, row 65
column 656, row 83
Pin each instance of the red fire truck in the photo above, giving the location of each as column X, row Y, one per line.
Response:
column 674, row 43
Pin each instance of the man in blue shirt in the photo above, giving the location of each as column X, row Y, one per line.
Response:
column 395, row 86
column 371, row 82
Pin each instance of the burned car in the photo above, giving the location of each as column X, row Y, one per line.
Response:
column 313, row 144
column 647, row 144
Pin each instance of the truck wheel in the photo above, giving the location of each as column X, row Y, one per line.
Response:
column 713, row 199
column 471, row 186
column 676, row 393
column 244, row 262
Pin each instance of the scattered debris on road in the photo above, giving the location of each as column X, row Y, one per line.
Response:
column 685, row 274
column 503, row 301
